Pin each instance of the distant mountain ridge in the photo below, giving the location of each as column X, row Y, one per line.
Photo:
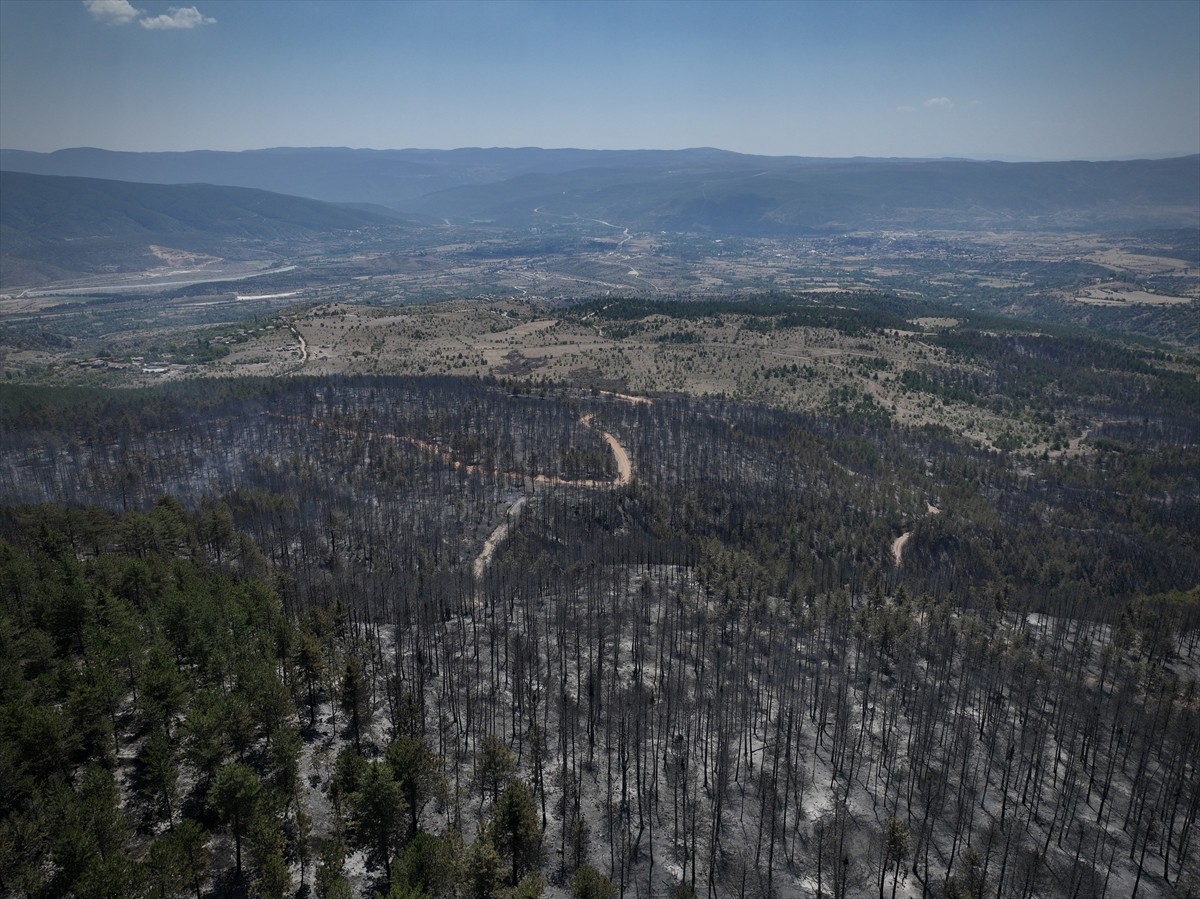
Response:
column 697, row 190
column 55, row 226
column 341, row 174
column 838, row 196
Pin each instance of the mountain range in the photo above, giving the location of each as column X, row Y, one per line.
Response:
column 74, row 210
column 822, row 196
column 701, row 189
column 342, row 175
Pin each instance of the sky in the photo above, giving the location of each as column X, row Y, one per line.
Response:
column 1010, row 80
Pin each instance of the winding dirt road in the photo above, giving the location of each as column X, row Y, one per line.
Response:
column 620, row 454
column 623, row 478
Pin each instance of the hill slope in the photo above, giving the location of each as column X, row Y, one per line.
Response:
column 58, row 226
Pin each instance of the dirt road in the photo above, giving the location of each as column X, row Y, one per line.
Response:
column 500, row 533
column 620, row 454
column 900, row 542
column 497, row 537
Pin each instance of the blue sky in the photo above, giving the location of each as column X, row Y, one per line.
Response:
column 1010, row 80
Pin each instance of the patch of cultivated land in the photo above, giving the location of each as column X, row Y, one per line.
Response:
column 1123, row 260
column 1126, row 294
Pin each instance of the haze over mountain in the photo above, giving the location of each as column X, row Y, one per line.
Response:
column 343, row 175
column 696, row 190
column 789, row 196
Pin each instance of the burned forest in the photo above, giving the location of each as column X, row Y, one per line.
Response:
column 438, row 637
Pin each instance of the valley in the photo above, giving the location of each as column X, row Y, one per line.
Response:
column 848, row 322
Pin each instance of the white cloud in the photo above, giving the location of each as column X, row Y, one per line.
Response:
column 177, row 17
column 112, row 12
column 938, row 103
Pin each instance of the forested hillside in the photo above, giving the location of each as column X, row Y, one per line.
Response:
column 431, row 637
